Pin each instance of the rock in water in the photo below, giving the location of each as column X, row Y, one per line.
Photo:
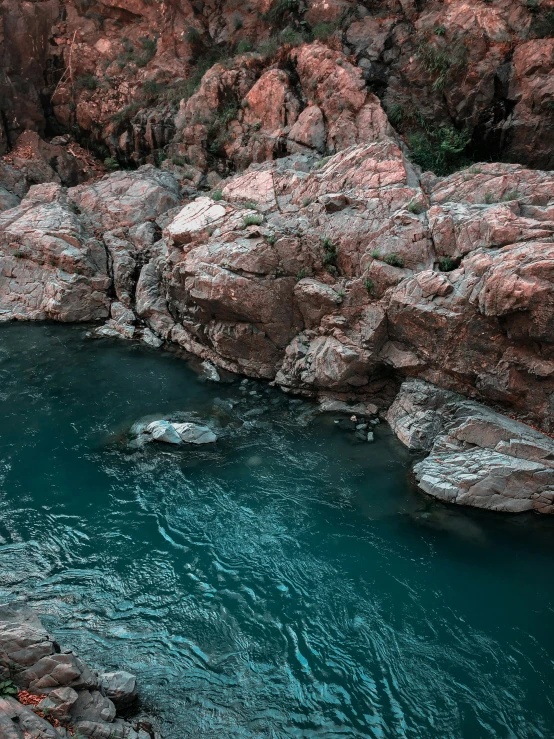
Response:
column 163, row 431
column 477, row 457
column 192, row 433
column 177, row 433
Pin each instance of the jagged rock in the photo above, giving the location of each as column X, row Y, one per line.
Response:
column 51, row 266
column 19, row 722
column 475, row 456
column 91, row 705
column 30, row 657
column 58, row 703
column 124, row 199
column 55, row 671
column 177, row 433
column 119, row 687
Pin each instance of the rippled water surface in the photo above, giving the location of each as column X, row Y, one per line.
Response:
column 285, row 582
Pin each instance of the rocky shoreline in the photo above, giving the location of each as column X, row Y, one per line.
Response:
column 334, row 278
column 50, row 693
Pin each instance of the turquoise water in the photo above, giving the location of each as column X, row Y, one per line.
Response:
column 285, row 582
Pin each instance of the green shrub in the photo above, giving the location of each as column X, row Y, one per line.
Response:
column 243, row 47
column 415, row 207
column 8, row 689
column 179, row 161
column 193, row 35
column 291, row 37
column 151, row 88
column 511, row 195
column 280, row 9
column 396, row 114
column 271, row 239
column 330, row 252
column 440, row 61
column 489, row 198
column 393, row 259
column 111, row 163
column 369, row 286
column 217, row 195
column 439, row 30
column 86, row 82
column 19, row 254
column 302, row 274
column 268, row 48
column 341, row 292
column 126, row 113
column 322, row 31
column 252, row 220
column 447, row 264
column 375, row 254
column 306, row 202
column 441, row 150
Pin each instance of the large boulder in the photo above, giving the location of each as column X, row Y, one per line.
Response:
column 476, row 456
column 51, row 266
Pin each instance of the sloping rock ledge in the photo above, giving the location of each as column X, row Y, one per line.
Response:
column 476, row 456
column 71, row 699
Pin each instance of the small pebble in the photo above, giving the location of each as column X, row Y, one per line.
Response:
column 370, row 436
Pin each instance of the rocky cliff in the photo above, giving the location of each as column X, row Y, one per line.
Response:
column 285, row 226
column 458, row 78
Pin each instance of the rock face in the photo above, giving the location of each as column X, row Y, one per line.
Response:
column 126, row 76
column 340, row 275
column 476, row 456
column 75, row 700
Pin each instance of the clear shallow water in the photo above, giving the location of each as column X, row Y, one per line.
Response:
column 286, row 582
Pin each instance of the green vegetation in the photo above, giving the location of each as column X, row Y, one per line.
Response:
column 86, row 82
column 126, row 113
column 302, row 274
column 280, row 10
column 441, row 150
column 243, row 47
column 268, row 48
column 489, row 198
column 111, row 163
column 322, row 31
column 341, row 292
column 217, row 195
column 439, row 30
column 19, row 254
column 217, row 129
column 415, row 207
column 440, row 61
column 330, row 255
column 271, row 239
column 542, row 25
column 252, row 220
column 375, row 254
column 8, row 689
column 511, row 195
column 447, row 264
column 369, row 286
column 393, row 259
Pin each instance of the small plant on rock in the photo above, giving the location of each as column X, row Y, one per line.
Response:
column 302, row 274
column 375, row 254
column 252, row 220
column 415, row 207
column 394, row 260
column 271, row 239
column 489, row 198
column 217, row 195
column 8, row 689
column 369, row 286
column 447, row 264
column 111, row 163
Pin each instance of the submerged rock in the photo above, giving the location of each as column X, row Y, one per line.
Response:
column 476, row 456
